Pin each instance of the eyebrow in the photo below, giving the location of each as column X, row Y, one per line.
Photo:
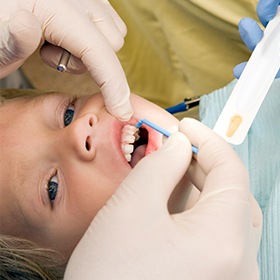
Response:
column 22, row 173
column 24, row 168
column 55, row 99
column 27, row 170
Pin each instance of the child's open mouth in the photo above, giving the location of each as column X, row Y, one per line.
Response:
column 137, row 144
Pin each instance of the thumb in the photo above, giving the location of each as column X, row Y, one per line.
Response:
column 136, row 199
column 20, row 37
column 155, row 176
column 143, row 194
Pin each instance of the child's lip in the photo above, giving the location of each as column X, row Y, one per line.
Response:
column 154, row 140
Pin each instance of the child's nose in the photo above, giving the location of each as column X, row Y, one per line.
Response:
column 80, row 136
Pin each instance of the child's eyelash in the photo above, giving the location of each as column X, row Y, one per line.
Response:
column 47, row 183
column 70, row 101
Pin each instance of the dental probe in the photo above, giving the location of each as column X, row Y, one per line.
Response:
column 63, row 61
column 160, row 130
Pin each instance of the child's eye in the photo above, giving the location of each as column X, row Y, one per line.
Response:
column 69, row 111
column 68, row 115
column 52, row 188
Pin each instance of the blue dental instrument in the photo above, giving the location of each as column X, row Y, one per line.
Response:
column 160, row 130
column 184, row 106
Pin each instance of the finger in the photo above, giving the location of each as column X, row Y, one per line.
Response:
column 266, row 10
column 196, row 175
column 256, row 212
column 20, row 37
column 250, row 32
column 136, row 207
column 51, row 54
column 216, row 158
column 97, row 55
column 104, row 20
column 118, row 21
column 225, row 199
column 112, row 81
column 257, row 221
column 238, row 69
column 153, row 179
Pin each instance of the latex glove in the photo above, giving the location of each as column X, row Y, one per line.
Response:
column 250, row 31
column 135, row 237
column 91, row 30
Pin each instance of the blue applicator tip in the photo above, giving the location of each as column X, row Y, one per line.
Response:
column 154, row 126
column 160, row 130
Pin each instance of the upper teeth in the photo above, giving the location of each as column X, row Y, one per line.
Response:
column 129, row 136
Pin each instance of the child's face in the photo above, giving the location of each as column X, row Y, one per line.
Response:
column 54, row 178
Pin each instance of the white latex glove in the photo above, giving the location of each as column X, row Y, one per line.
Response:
column 90, row 30
column 135, row 237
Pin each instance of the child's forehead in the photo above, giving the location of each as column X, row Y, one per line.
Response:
column 27, row 96
column 19, row 110
column 23, row 102
column 14, row 101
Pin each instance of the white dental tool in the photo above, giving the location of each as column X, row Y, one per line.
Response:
column 247, row 96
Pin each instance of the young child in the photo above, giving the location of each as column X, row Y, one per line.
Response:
column 76, row 178
column 62, row 158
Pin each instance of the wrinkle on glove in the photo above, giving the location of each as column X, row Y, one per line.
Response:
column 260, row 152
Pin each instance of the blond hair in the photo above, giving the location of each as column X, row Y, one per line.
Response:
column 23, row 260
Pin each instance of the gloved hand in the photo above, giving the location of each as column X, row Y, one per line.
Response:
column 250, row 31
column 90, row 30
column 135, row 237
